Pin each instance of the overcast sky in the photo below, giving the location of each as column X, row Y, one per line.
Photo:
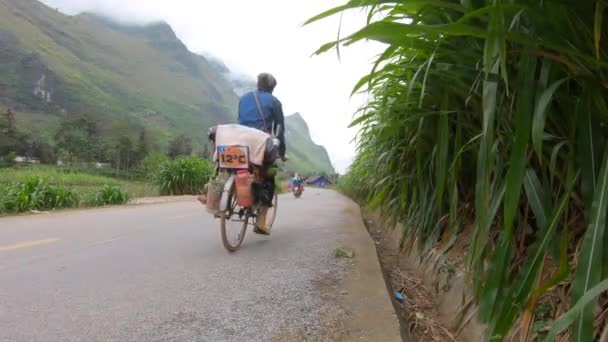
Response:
column 267, row 35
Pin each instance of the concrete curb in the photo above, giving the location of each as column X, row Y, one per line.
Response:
column 373, row 316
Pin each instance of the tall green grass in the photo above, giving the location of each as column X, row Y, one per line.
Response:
column 37, row 194
column 492, row 114
column 81, row 179
column 111, row 195
column 56, row 176
column 184, row 175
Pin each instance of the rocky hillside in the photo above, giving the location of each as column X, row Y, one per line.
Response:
column 305, row 156
column 123, row 77
column 53, row 64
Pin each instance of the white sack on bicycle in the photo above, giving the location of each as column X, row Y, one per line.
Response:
column 259, row 143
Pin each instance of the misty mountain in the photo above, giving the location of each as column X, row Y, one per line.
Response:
column 125, row 77
column 57, row 65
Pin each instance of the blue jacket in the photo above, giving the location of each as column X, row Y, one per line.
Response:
column 249, row 114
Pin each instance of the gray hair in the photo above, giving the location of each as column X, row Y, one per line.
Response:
column 266, row 82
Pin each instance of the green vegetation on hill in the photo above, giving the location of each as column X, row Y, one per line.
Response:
column 305, row 156
column 86, row 89
column 86, row 65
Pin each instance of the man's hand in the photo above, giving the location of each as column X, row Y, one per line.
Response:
column 284, row 159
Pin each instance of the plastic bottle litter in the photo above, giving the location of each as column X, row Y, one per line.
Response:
column 399, row 296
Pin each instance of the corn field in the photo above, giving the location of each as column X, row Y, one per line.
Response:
column 491, row 115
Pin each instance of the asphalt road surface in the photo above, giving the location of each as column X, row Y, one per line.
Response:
column 159, row 272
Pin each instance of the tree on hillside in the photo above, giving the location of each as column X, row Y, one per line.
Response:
column 43, row 151
column 124, row 153
column 206, row 152
column 11, row 140
column 142, row 146
column 77, row 139
column 11, row 123
column 180, row 146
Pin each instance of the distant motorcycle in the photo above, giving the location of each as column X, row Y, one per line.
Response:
column 297, row 191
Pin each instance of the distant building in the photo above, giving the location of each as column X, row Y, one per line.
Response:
column 26, row 160
column 103, row 165
column 320, row 181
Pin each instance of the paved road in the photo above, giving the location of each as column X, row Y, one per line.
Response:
column 160, row 273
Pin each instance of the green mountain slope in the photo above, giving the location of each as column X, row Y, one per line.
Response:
column 305, row 156
column 73, row 65
column 54, row 66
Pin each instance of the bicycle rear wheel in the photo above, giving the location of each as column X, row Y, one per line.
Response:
column 271, row 214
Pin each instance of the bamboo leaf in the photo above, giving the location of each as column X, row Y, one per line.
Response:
column 514, row 181
column 364, row 3
column 577, row 310
column 442, row 155
column 527, row 277
column 538, row 126
column 361, row 119
column 590, row 265
column 589, row 151
column 554, row 156
column 599, row 16
column 395, row 33
column 537, row 197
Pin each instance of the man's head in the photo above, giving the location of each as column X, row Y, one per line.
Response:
column 266, row 82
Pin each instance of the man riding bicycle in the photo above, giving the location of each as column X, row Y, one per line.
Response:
column 261, row 110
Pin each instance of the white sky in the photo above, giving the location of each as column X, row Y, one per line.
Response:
column 266, row 35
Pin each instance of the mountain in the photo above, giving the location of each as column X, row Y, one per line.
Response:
column 124, row 77
column 54, row 64
column 305, row 156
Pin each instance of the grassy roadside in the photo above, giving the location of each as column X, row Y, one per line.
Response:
column 44, row 187
column 76, row 179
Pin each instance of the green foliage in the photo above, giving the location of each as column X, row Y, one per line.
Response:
column 109, row 71
column 111, row 195
column 64, row 176
column 11, row 139
column 86, row 181
column 484, row 114
column 180, row 146
column 35, row 194
column 77, row 138
column 134, row 77
column 149, row 167
column 184, row 175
